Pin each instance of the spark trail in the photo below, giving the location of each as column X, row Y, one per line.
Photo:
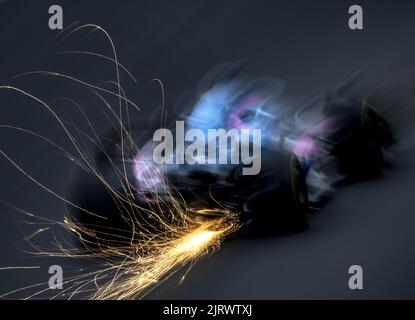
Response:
column 134, row 261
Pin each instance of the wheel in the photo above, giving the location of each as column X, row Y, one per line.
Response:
column 98, row 211
column 103, row 202
column 283, row 206
column 357, row 140
column 371, row 141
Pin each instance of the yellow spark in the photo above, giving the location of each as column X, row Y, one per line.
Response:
column 20, row 268
column 195, row 241
column 164, row 257
column 136, row 261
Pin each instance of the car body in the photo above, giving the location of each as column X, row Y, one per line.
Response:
column 306, row 151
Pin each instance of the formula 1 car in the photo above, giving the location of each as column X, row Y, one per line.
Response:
column 305, row 153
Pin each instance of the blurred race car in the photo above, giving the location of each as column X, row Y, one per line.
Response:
column 306, row 151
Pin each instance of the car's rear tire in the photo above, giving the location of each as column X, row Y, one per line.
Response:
column 284, row 208
column 358, row 140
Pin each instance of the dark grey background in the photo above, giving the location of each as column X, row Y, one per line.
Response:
column 307, row 44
